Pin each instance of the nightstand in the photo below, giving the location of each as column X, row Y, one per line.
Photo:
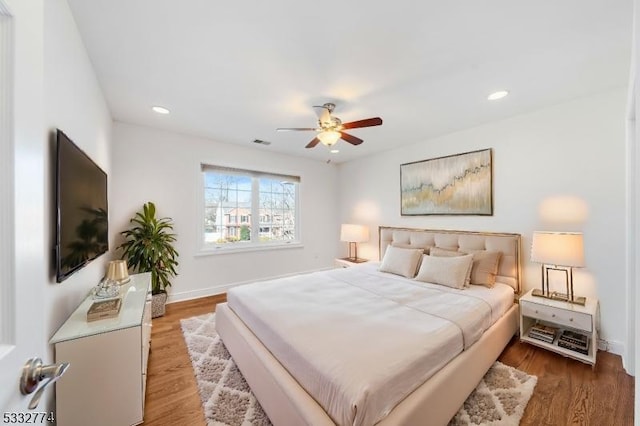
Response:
column 560, row 316
column 344, row 263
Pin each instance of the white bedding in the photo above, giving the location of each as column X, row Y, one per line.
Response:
column 358, row 340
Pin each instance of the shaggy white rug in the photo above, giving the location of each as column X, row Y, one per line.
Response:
column 499, row 399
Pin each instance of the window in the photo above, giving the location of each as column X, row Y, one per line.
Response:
column 234, row 198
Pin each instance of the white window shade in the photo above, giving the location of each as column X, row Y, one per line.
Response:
column 252, row 173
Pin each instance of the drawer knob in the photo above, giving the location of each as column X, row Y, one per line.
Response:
column 536, row 311
column 570, row 319
column 553, row 315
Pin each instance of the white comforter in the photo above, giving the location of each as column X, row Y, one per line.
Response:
column 359, row 340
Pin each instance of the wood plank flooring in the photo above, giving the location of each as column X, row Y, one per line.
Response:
column 568, row 392
column 172, row 393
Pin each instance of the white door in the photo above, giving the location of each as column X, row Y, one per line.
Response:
column 23, row 262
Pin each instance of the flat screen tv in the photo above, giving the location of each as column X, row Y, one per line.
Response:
column 81, row 209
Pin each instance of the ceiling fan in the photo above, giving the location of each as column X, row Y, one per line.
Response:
column 330, row 128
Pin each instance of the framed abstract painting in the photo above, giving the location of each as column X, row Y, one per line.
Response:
column 459, row 184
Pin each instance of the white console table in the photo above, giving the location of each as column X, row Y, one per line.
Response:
column 106, row 381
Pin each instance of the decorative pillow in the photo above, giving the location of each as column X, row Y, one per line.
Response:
column 485, row 268
column 401, row 261
column 409, row 246
column 440, row 252
column 449, row 271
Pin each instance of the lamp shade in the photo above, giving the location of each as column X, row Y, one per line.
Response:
column 558, row 248
column 329, row 137
column 354, row 233
column 117, row 271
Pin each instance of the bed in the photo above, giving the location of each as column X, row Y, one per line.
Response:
column 360, row 346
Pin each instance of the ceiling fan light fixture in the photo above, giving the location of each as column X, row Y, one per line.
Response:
column 329, row 137
column 330, row 129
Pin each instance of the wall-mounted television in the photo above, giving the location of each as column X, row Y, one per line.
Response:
column 82, row 228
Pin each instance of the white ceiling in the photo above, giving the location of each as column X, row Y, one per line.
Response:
column 234, row 71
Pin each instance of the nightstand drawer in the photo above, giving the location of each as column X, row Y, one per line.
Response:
column 564, row 317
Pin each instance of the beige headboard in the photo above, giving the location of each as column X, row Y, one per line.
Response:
column 509, row 244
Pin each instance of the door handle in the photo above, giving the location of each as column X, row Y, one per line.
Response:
column 34, row 372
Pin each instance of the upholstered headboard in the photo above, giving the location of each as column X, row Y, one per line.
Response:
column 509, row 244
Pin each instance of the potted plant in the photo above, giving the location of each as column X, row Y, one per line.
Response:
column 148, row 247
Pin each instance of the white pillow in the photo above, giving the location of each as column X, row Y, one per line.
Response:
column 449, row 271
column 485, row 267
column 401, row 261
column 440, row 252
column 409, row 246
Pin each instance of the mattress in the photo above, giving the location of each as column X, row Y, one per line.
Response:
column 359, row 340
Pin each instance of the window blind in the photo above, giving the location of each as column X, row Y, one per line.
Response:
column 252, row 173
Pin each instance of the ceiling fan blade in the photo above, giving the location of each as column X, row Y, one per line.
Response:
column 324, row 114
column 368, row 122
column 350, row 138
column 294, row 129
column 313, row 143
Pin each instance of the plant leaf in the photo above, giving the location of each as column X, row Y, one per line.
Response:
column 148, row 247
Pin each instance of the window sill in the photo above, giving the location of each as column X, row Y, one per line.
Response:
column 216, row 250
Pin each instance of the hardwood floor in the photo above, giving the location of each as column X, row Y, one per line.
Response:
column 172, row 393
column 572, row 393
column 568, row 392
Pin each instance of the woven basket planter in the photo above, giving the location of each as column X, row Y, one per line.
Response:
column 158, row 303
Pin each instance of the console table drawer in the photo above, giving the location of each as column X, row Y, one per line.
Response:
column 564, row 317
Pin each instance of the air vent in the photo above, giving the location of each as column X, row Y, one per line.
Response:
column 261, row 142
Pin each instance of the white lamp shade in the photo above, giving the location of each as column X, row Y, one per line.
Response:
column 329, row 137
column 558, row 248
column 354, row 233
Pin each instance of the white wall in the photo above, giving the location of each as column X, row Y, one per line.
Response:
column 73, row 102
column 574, row 151
column 163, row 167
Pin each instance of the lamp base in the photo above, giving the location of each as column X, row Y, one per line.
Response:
column 354, row 259
column 554, row 295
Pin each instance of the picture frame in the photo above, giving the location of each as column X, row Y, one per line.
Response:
column 458, row 184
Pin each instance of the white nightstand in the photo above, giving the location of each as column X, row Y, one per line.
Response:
column 563, row 316
column 344, row 263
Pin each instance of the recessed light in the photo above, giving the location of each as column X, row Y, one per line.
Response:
column 334, row 151
column 160, row 110
column 498, row 95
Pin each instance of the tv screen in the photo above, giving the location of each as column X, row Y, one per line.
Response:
column 81, row 209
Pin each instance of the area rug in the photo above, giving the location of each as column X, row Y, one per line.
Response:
column 499, row 399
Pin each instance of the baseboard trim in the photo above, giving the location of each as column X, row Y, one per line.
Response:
column 612, row 346
column 213, row 291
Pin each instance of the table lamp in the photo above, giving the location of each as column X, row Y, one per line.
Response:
column 558, row 251
column 354, row 234
column 117, row 271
